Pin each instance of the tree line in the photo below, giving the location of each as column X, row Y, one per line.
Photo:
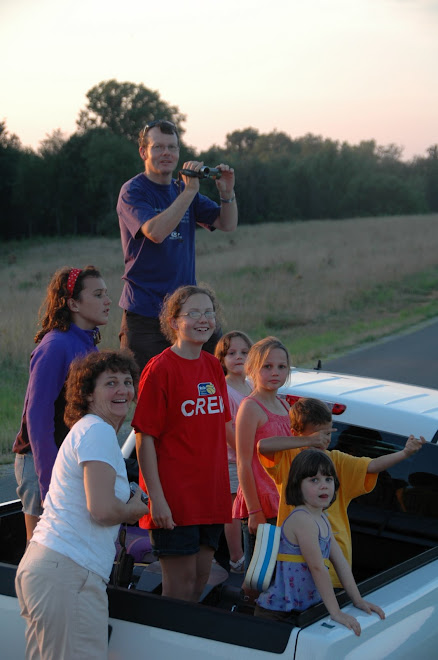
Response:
column 70, row 185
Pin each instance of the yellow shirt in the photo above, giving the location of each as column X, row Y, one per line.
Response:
column 354, row 481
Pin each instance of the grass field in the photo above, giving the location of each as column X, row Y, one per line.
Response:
column 321, row 286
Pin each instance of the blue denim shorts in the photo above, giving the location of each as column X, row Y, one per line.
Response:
column 28, row 489
column 184, row 540
column 234, row 479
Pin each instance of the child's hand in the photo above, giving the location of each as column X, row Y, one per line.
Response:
column 161, row 513
column 254, row 520
column 349, row 621
column 413, row 445
column 368, row 607
column 321, row 439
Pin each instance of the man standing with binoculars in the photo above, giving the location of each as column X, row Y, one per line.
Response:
column 157, row 216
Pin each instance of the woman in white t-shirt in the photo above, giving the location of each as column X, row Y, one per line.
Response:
column 61, row 580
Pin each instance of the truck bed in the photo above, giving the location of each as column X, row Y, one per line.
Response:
column 395, row 555
column 224, row 623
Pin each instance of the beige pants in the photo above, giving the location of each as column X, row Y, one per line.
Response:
column 65, row 607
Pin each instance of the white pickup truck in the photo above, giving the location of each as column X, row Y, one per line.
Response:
column 395, row 555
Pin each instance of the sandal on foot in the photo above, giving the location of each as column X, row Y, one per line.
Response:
column 238, row 566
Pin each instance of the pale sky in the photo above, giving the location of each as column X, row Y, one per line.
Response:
column 348, row 70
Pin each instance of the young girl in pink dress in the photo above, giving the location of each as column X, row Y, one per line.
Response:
column 232, row 351
column 261, row 415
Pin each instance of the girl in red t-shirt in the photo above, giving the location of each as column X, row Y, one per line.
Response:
column 180, row 425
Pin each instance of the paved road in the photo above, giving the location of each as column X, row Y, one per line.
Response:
column 408, row 358
column 7, row 476
column 7, row 483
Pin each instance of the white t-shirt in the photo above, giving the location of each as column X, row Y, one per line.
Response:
column 66, row 526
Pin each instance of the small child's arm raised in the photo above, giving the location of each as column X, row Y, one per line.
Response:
column 319, row 440
column 386, row 461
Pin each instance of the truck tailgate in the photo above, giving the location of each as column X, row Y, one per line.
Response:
column 409, row 630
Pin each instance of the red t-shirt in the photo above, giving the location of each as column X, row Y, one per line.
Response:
column 183, row 404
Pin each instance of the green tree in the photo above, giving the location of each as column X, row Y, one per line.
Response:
column 124, row 108
column 28, row 196
column 8, row 139
column 111, row 160
column 87, row 173
column 241, row 141
column 52, row 143
column 273, row 146
column 51, row 151
column 429, row 168
column 10, row 155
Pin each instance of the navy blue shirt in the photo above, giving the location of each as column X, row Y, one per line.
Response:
column 154, row 269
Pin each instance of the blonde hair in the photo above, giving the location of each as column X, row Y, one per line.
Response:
column 259, row 352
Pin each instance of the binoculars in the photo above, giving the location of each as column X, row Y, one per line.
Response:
column 203, row 173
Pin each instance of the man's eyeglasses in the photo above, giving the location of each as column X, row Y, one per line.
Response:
column 160, row 122
column 161, row 148
column 209, row 314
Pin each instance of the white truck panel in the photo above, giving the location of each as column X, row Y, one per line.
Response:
column 13, row 628
column 156, row 644
column 409, row 630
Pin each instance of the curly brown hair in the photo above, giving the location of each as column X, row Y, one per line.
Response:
column 224, row 344
column 54, row 312
column 258, row 353
column 173, row 303
column 308, row 411
column 83, row 374
column 307, row 464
